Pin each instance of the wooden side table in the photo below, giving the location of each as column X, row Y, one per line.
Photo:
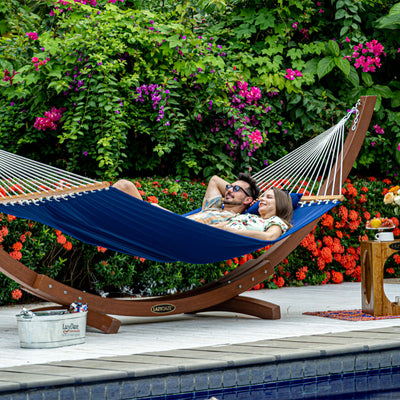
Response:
column 373, row 257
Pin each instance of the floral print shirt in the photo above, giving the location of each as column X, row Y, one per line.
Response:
column 251, row 222
column 212, row 212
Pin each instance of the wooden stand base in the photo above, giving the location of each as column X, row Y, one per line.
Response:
column 373, row 257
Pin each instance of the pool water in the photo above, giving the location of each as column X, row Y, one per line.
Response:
column 371, row 385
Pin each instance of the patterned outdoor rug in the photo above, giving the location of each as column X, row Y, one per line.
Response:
column 349, row 315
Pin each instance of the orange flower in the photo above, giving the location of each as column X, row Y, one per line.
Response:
column 337, row 277
column 58, row 233
column 354, row 225
column 185, row 195
column 351, row 190
column 343, row 212
column 338, row 257
column 301, row 273
column 327, row 221
column 337, row 246
column 152, row 199
column 321, row 263
column 353, row 215
column 396, row 258
column 390, row 270
column 11, row 218
column 242, row 260
column 328, row 241
column 16, row 254
column 229, row 263
column 101, row 249
column 138, row 184
column 363, row 199
column 17, row 246
column 16, row 294
column 279, row 281
column 326, row 254
column 61, row 239
column 68, row 246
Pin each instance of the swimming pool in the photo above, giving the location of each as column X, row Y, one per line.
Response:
column 372, row 385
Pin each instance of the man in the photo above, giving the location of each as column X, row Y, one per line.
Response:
column 222, row 201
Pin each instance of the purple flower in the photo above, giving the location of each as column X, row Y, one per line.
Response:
column 85, row 153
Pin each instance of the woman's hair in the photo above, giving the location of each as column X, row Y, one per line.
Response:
column 283, row 204
column 254, row 190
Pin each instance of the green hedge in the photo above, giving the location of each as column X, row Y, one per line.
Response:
column 192, row 89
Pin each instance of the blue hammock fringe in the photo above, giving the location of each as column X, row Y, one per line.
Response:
column 117, row 221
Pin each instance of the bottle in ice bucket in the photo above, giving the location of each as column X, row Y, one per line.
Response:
column 77, row 307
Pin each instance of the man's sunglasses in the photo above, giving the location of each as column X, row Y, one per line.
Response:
column 236, row 188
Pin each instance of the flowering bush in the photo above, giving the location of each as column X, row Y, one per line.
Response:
column 164, row 91
column 331, row 252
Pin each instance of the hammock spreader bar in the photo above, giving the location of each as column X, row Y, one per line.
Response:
column 117, row 221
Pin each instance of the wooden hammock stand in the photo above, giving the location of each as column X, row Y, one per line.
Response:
column 220, row 295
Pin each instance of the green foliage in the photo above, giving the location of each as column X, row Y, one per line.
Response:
column 390, row 21
column 154, row 88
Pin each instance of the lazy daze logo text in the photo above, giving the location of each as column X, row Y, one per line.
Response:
column 70, row 329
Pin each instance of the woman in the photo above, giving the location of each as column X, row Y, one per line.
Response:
column 275, row 211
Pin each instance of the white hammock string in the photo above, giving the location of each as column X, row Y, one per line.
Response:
column 20, row 175
column 307, row 167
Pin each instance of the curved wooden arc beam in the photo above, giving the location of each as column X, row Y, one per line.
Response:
column 222, row 294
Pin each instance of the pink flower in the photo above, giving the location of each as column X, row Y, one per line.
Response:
column 35, row 59
column 297, row 73
column 368, row 64
column 347, row 39
column 32, row 35
column 290, row 74
column 378, row 129
column 256, row 137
